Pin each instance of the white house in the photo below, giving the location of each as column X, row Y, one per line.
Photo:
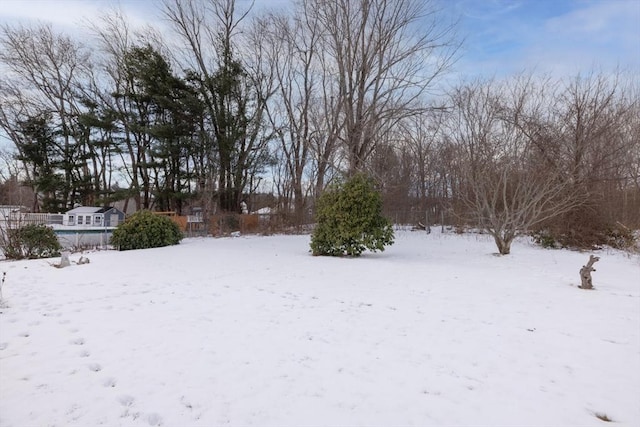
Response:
column 92, row 216
column 10, row 215
column 11, row 212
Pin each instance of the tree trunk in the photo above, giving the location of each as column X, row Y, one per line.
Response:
column 585, row 273
column 503, row 244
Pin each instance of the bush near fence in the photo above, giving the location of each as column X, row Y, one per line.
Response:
column 224, row 224
column 282, row 222
column 180, row 220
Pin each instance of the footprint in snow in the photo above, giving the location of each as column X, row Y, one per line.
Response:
column 125, row 400
column 24, row 334
column 51, row 314
column 78, row 341
column 109, row 382
column 84, row 353
column 154, row 419
column 3, row 345
column 95, row 367
column 187, row 404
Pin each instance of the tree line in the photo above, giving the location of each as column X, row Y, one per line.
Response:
column 200, row 114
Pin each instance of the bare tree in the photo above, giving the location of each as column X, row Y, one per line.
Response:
column 292, row 56
column 506, row 190
column 12, row 188
column 328, row 126
column 112, row 88
column 424, row 139
column 592, row 138
column 631, row 171
column 44, row 71
column 234, row 98
column 8, row 167
column 385, row 55
column 115, row 38
column 391, row 164
column 589, row 114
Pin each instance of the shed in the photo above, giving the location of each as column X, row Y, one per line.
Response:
column 92, row 216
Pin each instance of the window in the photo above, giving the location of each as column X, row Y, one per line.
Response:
column 72, row 219
column 88, row 219
column 80, row 217
column 97, row 220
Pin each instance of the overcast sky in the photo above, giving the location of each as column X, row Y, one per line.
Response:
column 562, row 37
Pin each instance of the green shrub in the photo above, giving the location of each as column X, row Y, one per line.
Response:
column 32, row 242
column 545, row 239
column 144, row 230
column 349, row 220
column 620, row 237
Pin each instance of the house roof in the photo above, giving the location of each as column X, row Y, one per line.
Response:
column 105, row 209
column 90, row 209
column 83, row 209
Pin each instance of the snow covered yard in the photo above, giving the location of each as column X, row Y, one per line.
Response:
column 435, row 331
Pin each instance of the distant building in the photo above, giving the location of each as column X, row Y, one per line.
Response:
column 8, row 212
column 10, row 215
column 88, row 226
column 84, row 226
column 91, row 216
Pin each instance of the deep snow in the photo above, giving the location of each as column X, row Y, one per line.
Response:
column 435, row 331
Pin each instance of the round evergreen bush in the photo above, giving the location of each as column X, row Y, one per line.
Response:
column 144, row 230
column 32, row 242
column 349, row 220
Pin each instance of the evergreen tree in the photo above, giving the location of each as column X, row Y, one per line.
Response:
column 98, row 133
column 38, row 151
column 230, row 128
column 165, row 122
column 349, row 220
